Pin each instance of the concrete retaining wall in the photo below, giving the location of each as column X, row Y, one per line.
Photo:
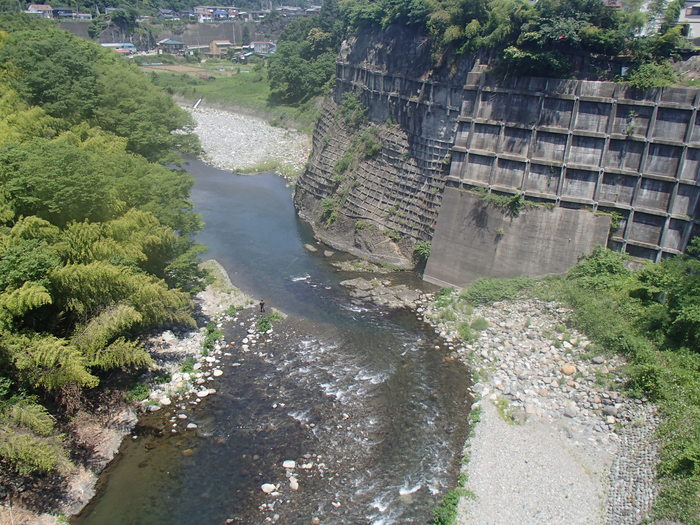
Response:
column 475, row 239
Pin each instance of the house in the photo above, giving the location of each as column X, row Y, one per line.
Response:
column 167, row 14
column 40, row 10
column 218, row 48
column 62, row 12
column 690, row 18
column 124, row 48
column 174, row 47
column 263, row 47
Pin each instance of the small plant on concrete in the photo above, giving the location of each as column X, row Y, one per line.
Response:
column 421, row 251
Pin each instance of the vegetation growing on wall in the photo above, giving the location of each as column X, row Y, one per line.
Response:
column 95, row 239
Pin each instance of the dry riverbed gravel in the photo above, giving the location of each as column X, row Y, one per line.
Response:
column 245, row 143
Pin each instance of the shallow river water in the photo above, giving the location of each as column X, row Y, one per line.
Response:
column 360, row 393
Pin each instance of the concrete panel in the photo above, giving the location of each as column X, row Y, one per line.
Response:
column 597, row 89
column 543, row 179
column 624, row 154
column 516, row 141
column 586, row 150
column 686, row 200
column 469, row 102
column 478, row 168
column 691, row 168
column 493, row 106
column 678, row 95
column 673, row 238
column 617, row 188
column 462, row 137
column 485, row 137
column 523, row 109
column 646, row 228
column 550, row 146
column 662, row 160
column 654, row 194
column 556, row 113
column 473, row 239
column 632, row 120
column 641, row 252
column 671, row 124
column 561, row 86
column 508, row 173
column 579, row 183
column 593, row 116
column 695, row 134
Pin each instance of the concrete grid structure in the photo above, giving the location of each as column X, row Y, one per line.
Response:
column 600, row 146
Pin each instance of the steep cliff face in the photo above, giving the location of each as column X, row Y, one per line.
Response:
column 384, row 203
column 460, row 148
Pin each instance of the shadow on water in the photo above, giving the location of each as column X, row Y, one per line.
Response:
column 358, row 392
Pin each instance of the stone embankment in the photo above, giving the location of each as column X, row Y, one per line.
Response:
column 557, row 441
column 248, row 144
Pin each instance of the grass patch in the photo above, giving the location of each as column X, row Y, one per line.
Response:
column 505, row 411
column 487, row 291
column 479, row 324
column 465, row 332
column 187, row 365
column 212, row 334
column 138, row 392
column 233, row 310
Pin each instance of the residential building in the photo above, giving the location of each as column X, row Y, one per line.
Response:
column 263, row 47
column 40, row 10
column 690, row 18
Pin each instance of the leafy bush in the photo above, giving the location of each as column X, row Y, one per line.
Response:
column 329, row 211
column 265, row 323
column 652, row 75
column 465, row 332
column 352, row 110
column 421, row 251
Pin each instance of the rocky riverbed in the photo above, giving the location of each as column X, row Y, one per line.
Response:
column 247, row 144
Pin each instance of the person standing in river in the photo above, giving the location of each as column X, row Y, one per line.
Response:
column 262, row 306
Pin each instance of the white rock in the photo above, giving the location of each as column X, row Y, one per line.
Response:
column 165, row 401
column 203, row 393
column 217, row 373
column 268, row 488
column 182, row 416
column 293, row 483
column 289, row 464
column 191, row 426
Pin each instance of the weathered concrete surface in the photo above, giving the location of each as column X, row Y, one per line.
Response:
column 475, row 239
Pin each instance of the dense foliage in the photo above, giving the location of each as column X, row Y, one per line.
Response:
column 305, row 58
column 532, row 38
column 95, row 239
column 546, row 38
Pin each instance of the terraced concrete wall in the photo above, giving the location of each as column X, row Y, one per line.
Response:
column 582, row 148
column 596, row 145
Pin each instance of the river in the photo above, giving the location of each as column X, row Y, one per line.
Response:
column 361, row 393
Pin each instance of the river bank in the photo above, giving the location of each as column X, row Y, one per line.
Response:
column 557, row 441
column 96, row 431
